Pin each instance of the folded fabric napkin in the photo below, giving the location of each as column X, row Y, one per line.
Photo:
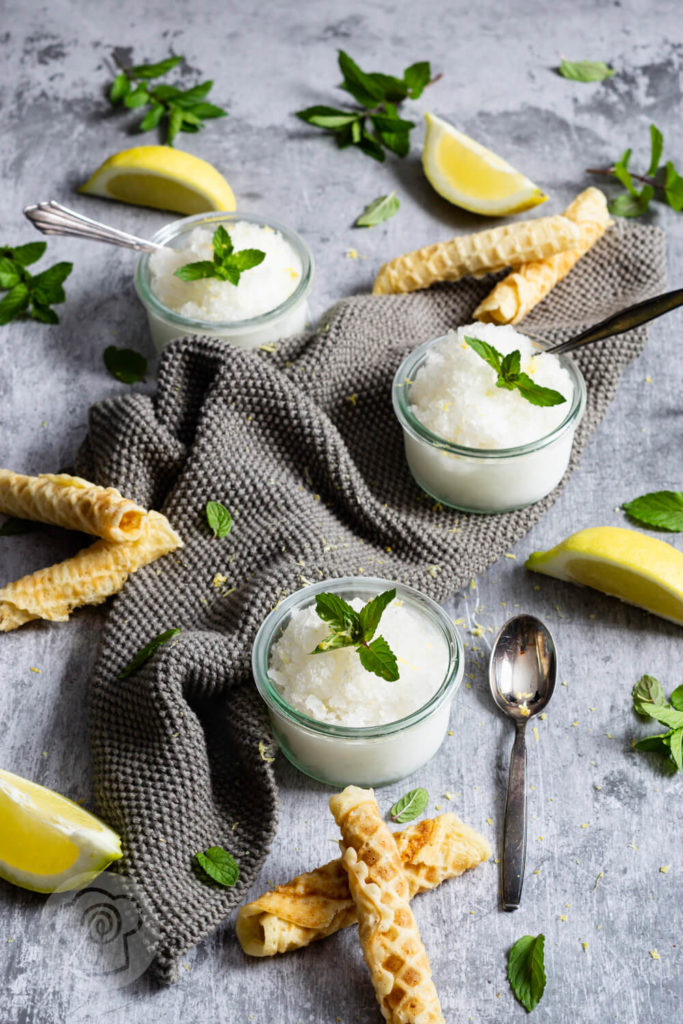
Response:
column 302, row 446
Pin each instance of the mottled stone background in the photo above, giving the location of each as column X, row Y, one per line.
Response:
column 604, row 819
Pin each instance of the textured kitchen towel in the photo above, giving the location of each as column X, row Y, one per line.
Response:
column 302, row 446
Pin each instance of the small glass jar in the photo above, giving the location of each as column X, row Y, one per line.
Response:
column 288, row 318
column 485, row 480
column 362, row 756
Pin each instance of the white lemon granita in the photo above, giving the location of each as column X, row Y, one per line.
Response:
column 454, row 393
column 334, row 687
column 259, row 290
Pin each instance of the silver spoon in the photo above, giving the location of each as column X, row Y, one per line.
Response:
column 522, row 673
column 54, row 219
column 623, row 321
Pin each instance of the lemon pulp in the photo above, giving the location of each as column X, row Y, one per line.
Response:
column 475, row 176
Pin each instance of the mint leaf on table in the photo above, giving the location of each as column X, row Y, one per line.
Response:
column 184, row 110
column 650, row 700
column 378, row 210
column 663, row 182
column 125, row 364
column 374, row 124
column 585, row 70
column 28, row 294
column 219, row 519
column 227, row 264
column 350, row 628
column 409, row 806
column 661, row 509
column 526, row 970
column 219, row 865
column 656, row 149
column 510, row 377
column 146, row 652
column 673, row 187
column 647, row 692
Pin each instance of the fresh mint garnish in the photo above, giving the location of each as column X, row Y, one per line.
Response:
column 146, row 652
column 125, row 364
column 650, row 701
column 526, row 970
column 378, row 210
column 665, row 182
column 184, row 110
column 585, row 70
column 410, row 806
column 28, row 294
column 350, row 628
column 219, row 519
column 661, row 509
column 219, row 865
column 227, row 264
column 510, row 377
column 377, row 125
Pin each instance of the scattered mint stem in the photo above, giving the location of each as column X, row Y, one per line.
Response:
column 182, row 110
column 665, row 182
column 510, row 377
column 227, row 264
column 410, row 806
column 350, row 628
column 27, row 294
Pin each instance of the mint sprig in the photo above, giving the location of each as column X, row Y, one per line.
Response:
column 663, row 182
column 649, row 700
column 374, row 124
column 27, row 294
column 227, row 264
column 526, row 970
column 661, row 509
column 349, row 628
column 183, row 110
column 510, row 377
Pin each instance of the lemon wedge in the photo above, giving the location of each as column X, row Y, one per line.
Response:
column 469, row 175
column 627, row 564
column 48, row 842
column 162, row 177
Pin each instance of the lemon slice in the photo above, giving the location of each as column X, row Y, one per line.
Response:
column 48, row 842
column 469, row 175
column 632, row 566
column 162, row 177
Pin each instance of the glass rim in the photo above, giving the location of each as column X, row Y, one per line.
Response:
column 175, row 228
column 269, row 630
column 420, row 432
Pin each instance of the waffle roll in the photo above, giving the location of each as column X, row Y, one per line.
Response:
column 319, row 903
column 90, row 577
column 389, row 936
column 69, row 501
column 483, row 253
column 514, row 296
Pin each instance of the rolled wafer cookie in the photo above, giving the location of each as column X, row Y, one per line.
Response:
column 389, row 936
column 482, row 253
column 91, row 576
column 520, row 291
column 318, row 903
column 71, row 502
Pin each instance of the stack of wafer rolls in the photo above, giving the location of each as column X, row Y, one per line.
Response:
column 130, row 538
column 319, row 903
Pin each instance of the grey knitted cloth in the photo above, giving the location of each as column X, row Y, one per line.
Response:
column 303, row 447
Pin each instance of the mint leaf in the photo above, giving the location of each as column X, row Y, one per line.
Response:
column 378, row 210
column 333, row 642
column 665, row 714
column 219, row 865
column 409, row 806
column 510, row 366
column 222, row 243
column 416, row 77
column 627, row 205
column 245, row 259
column 673, row 187
column 125, row 364
column 196, row 271
column 536, row 394
column 395, row 89
column 226, row 264
column 43, row 313
column 510, row 377
column 676, row 698
column 46, row 287
column 138, row 97
column 28, row 254
column 152, row 118
column 10, row 272
column 363, row 87
column 372, row 612
column 219, row 519
column 146, row 652
column 585, row 70
column 487, row 352
column 647, row 691
column 661, row 509
column 656, row 147
column 327, row 117
column 337, row 613
column 120, row 87
column 379, row 658
column 162, row 67
column 14, row 303
column 621, row 172
column 676, row 746
column 659, row 743
column 526, row 971
column 186, row 100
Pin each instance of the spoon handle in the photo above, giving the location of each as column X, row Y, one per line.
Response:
column 514, row 840
column 54, row 219
column 626, row 320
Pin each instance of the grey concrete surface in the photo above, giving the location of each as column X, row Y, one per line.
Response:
column 604, row 819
